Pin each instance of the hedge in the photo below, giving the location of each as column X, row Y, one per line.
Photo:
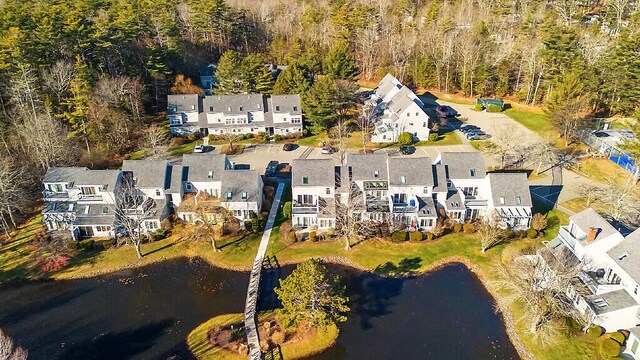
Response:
column 609, row 348
column 415, row 236
column 399, row 236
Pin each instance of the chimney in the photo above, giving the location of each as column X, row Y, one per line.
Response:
column 593, row 232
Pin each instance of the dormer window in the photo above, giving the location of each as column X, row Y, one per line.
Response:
column 210, row 175
column 501, row 200
column 157, row 192
column 229, row 108
column 189, row 187
column 210, row 108
column 193, row 107
column 295, row 108
column 425, row 190
column 518, row 200
column 472, row 172
column 403, row 179
column 277, row 108
column 244, row 195
column 305, row 180
column 240, row 108
column 105, row 210
column 328, row 191
column 375, row 174
column 229, row 195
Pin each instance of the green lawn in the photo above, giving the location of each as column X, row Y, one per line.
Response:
column 444, row 138
column 17, row 260
column 184, row 148
column 536, row 122
column 138, row 155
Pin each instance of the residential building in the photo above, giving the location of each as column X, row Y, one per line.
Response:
column 396, row 110
column 151, row 180
column 408, row 191
column 241, row 114
column 633, row 343
column 607, row 292
column 81, row 201
column 207, row 77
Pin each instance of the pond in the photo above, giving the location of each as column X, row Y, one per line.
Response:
column 147, row 313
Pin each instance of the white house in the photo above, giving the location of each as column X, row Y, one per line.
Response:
column 80, row 201
column 633, row 343
column 151, row 179
column 240, row 113
column 609, row 293
column 396, row 110
column 313, row 193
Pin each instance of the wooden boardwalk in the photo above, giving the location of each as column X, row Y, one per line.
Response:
column 250, row 325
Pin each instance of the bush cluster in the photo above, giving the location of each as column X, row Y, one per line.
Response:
column 87, row 245
column 399, row 236
column 415, row 236
column 433, row 136
column 594, row 331
column 468, row 228
column 494, row 108
column 532, row 233
column 457, row 227
column 478, row 107
column 406, row 138
column 610, row 348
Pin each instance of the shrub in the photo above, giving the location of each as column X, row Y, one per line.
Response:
column 292, row 236
column 538, row 222
column 532, row 233
column 285, row 227
column 256, row 224
column 160, row 234
column 212, row 335
column 433, row 136
column 108, row 244
column 87, row 244
column 278, row 337
column 73, row 245
column 478, row 107
column 573, row 325
column 457, row 227
column 286, row 210
column 277, row 137
column 491, row 108
column 312, row 236
column 509, row 234
column 406, row 138
column 522, row 234
column 331, row 232
column 178, row 141
column 595, row 331
column 618, row 337
column 415, row 236
column 399, row 236
column 429, row 235
column 248, row 224
column 468, row 228
column 609, row 348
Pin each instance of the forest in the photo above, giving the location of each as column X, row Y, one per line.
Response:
column 84, row 82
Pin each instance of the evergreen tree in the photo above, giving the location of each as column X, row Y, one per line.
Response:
column 312, row 62
column 339, row 63
column 319, row 105
column 309, row 296
column 620, row 77
column 78, row 103
column 295, row 51
column 255, row 76
column 293, row 80
column 228, row 74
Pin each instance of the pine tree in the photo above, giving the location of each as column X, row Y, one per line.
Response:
column 78, row 103
column 255, row 76
column 295, row 51
column 319, row 104
column 293, row 80
column 228, row 74
column 621, row 74
column 340, row 64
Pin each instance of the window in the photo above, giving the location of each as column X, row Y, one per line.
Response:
column 425, row 190
column 105, row 210
column 240, row 108
column 210, row 108
column 88, row 190
column 408, row 114
column 416, row 113
column 501, row 200
column 328, row 191
column 157, row 192
column 472, row 172
column 403, row 179
column 518, row 200
column 189, row 187
column 295, row 108
column 376, row 173
column 229, row 108
column 210, row 175
column 305, row 180
column 152, row 225
column 424, row 124
column 229, row 195
column 244, row 195
column 277, row 108
column 193, row 107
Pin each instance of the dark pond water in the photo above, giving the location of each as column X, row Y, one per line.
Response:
column 147, row 314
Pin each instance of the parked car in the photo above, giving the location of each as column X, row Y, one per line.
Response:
column 272, row 167
column 467, row 128
column 328, row 150
column 198, row 149
column 407, row 150
column 469, row 135
column 446, row 111
column 287, row 147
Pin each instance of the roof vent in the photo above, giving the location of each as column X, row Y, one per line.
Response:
column 623, row 256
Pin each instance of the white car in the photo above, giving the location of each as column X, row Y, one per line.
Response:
column 198, row 148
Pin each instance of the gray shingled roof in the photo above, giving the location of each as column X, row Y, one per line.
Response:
column 616, row 300
column 402, row 100
column 439, row 179
column 385, row 85
column 148, row 173
column 182, row 103
column 197, row 166
column 177, row 176
column 234, row 104
column 427, row 207
column 454, row 202
column 286, row 104
column 363, row 166
column 458, row 165
column 94, row 215
column 510, row 186
column 82, row 176
column 590, row 218
column 627, row 254
column 416, row 171
column 319, row 172
column 238, row 181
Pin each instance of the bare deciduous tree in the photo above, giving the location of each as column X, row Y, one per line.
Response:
column 365, row 123
column 210, row 218
column 589, row 191
column 349, row 208
column 230, row 138
column 57, row 77
column 13, row 192
column 43, row 140
column 489, row 232
column 340, row 134
column 620, row 199
column 155, row 140
column 121, row 92
column 506, row 142
column 8, row 352
column 543, row 153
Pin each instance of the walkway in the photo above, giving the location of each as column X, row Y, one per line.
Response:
column 250, row 325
